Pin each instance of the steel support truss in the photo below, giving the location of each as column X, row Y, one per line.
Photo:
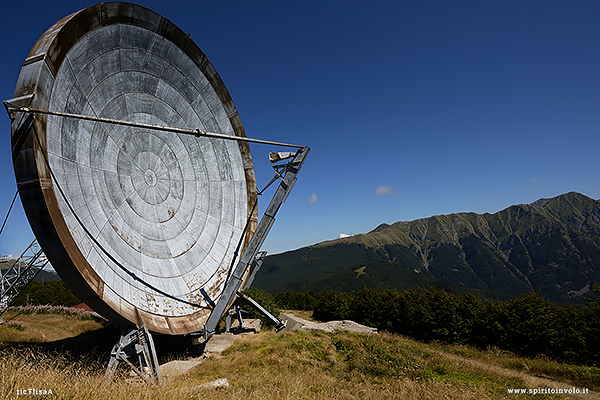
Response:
column 23, row 271
column 251, row 258
column 136, row 348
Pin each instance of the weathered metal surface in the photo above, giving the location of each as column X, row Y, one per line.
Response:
column 126, row 214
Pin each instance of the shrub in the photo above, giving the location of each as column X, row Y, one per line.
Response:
column 591, row 316
column 376, row 308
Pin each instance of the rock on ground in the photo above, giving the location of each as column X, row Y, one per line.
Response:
column 176, row 367
column 296, row 323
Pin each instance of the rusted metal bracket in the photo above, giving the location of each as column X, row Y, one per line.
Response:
column 288, row 179
column 12, row 108
column 234, row 311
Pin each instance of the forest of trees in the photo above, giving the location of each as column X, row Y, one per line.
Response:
column 527, row 325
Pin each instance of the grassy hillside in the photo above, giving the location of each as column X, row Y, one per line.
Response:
column 296, row 365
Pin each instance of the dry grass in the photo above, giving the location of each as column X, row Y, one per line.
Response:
column 41, row 328
column 344, row 366
column 296, row 365
column 69, row 378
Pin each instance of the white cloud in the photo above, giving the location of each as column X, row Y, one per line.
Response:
column 343, row 235
column 533, row 183
column 312, row 199
column 49, row 268
column 384, row 190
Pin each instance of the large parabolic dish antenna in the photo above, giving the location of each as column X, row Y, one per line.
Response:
column 133, row 219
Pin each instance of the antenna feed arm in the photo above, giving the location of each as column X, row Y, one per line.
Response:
column 280, row 156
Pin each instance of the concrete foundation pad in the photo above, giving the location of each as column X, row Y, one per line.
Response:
column 218, row 343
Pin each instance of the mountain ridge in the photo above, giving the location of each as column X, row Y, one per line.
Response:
column 551, row 245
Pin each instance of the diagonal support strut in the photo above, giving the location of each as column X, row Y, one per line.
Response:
column 235, row 280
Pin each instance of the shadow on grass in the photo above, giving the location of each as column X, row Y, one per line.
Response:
column 97, row 344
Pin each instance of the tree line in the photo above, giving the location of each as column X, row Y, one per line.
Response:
column 528, row 325
column 55, row 293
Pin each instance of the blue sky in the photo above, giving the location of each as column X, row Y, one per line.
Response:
column 411, row 108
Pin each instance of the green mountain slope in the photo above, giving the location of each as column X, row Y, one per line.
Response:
column 551, row 245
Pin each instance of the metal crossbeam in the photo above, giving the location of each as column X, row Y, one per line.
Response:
column 254, row 304
column 23, row 271
column 236, row 311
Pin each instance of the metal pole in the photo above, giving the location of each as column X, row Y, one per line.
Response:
column 195, row 132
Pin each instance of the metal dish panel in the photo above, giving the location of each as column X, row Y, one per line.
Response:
column 126, row 215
